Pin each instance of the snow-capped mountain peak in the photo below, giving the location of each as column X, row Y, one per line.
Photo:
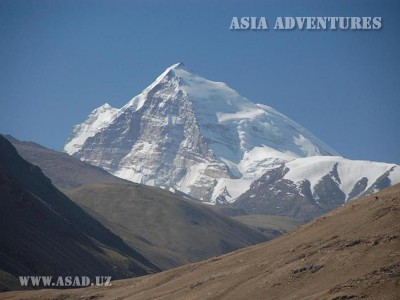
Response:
column 98, row 119
column 192, row 134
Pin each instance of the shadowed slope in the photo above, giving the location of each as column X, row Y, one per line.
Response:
column 45, row 233
column 64, row 171
column 190, row 230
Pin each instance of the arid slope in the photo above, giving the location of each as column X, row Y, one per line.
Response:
column 174, row 231
column 350, row 253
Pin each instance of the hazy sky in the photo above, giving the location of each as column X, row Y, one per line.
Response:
column 61, row 59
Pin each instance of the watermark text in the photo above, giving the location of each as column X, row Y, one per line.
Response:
column 64, row 281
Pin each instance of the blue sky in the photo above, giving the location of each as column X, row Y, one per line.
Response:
column 61, row 59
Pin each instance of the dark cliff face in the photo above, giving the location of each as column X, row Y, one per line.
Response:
column 272, row 194
column 44, row 233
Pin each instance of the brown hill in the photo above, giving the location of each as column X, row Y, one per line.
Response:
column 45, row 233
column 64, row 171
column 350, row 253
column 270, row 226
column 170, row 230
column 167, row 229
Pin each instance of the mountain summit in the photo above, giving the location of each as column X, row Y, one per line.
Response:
column 192, row 134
